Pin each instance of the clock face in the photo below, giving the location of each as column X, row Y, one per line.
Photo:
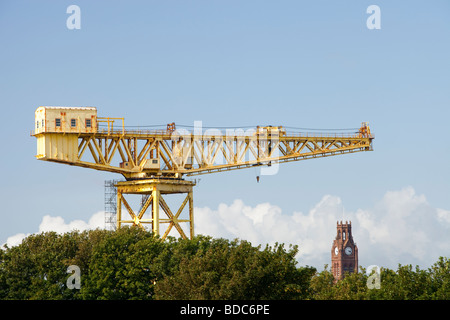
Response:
column 348, row 251
column 336, row 250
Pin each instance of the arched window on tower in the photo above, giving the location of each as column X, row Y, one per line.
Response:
column 343, row 235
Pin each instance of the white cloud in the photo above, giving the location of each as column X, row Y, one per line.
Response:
column 404, row 228
column 266, row 224
column 401, row 228
column 58, row 224
column 16, row 239
column 443, row 215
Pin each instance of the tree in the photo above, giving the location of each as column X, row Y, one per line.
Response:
column 439, row 281
column 3, row 286
column 321, row 285
column 407, row 283
column 118, row 268
column 223, row 269
column 36, row 269
column 134, row 264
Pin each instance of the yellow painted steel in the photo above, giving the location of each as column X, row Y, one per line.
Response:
column 58, row 147
column 155, row 189
column 131, row 153
column 160, row 158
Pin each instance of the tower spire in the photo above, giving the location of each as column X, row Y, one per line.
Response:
column 344, row 252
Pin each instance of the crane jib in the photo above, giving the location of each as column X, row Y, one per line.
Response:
column 77, row 136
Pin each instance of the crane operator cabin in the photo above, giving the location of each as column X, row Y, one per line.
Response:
column 56, row 120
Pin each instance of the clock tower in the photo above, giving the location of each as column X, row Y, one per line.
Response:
column 344, row 252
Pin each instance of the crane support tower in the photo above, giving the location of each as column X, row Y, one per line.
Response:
column 154, row 162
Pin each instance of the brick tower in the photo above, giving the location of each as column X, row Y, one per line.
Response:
column 344, row 252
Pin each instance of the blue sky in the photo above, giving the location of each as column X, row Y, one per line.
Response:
column 308, row 64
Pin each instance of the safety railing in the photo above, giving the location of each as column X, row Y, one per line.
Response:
column 110, row 130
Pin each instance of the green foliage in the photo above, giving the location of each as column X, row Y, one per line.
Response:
column 37, row 268
column 407, row 283
column 116, row 269
column 220, row 269
column 133, row 264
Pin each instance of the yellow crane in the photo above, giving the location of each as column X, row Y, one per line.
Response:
column 154, row 162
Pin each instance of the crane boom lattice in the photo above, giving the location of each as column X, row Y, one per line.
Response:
column 154, row 162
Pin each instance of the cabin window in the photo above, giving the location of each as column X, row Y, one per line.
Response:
column 58, row 122
column 88, row 123
column 73, row 123
column 37, row 124
column 42, row 123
